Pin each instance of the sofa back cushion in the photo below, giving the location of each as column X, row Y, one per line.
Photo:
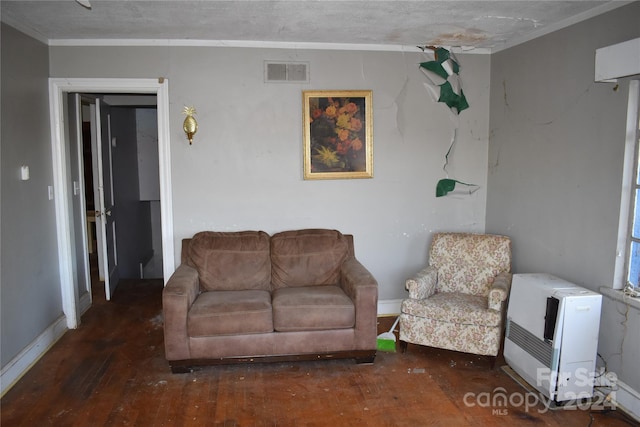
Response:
column 468, row 262
column 307, row 257
column 228, row 261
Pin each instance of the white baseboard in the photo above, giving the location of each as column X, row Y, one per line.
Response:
column 390, row 307
column 628, row 399
column 19, row 365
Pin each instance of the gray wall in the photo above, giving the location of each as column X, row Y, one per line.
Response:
column 147, row 144
column 555, row 163
column 244, row 169
column 30, row 298
column 148, row 173
column 132, row 216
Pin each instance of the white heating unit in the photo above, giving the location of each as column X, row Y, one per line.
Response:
column 552, row 335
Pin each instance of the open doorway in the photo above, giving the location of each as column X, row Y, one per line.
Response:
column 121, row 190
column 67, row 192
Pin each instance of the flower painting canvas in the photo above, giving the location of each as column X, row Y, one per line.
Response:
column 338, row 137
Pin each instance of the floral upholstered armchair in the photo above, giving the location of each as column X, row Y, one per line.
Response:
column 458, row 302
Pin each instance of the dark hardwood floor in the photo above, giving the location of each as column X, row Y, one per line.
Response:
column 111, row 371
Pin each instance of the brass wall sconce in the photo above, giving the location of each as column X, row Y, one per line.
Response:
column 190, row 125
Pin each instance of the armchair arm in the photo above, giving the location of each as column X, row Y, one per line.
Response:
column 423, row 284
column 177, row 297
column 499, row 291
column 360, row 285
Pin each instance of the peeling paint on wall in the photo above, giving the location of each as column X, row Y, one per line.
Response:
column 445, row 86
column 442, row 72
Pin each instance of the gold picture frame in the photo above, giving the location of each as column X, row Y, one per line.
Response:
column 337, row 134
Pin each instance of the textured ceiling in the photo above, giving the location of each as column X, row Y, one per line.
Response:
column 481, row 24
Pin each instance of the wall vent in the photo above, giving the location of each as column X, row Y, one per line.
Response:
column 286, row 72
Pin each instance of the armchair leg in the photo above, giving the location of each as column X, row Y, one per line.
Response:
column 492, row 361
column 403, row 346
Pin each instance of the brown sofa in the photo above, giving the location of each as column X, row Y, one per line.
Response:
column 247, row 296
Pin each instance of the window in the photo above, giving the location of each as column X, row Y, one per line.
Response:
column 627, row 261
column 633, row 235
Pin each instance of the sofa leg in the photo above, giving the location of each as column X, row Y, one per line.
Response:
column 181, row 369
column 366, row 359
column 403, row 346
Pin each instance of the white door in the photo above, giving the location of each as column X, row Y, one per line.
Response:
column 78, row 204
column 104, row 198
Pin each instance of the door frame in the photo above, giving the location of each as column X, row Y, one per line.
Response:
column 58, row 88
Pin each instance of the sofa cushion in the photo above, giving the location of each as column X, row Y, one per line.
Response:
column 230, row 313
column 312, row 308
column 229, row 261
column 307, row 257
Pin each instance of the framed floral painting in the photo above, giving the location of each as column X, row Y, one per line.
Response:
column 337, row 134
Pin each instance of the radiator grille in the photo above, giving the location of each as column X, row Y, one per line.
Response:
column 541, row 350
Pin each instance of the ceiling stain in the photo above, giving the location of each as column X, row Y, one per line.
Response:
column 466, row 37
column 536, row 23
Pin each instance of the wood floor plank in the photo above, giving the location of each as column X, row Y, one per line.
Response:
column 111, row 371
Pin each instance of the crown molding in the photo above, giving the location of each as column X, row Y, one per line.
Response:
column 251, row 44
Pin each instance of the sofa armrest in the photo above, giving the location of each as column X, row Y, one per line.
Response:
column 423, row 284
column 499, row 291
column 177, row 297
column 360, row 285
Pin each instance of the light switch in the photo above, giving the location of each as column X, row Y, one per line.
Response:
column 24, row 173
column 50, row 190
